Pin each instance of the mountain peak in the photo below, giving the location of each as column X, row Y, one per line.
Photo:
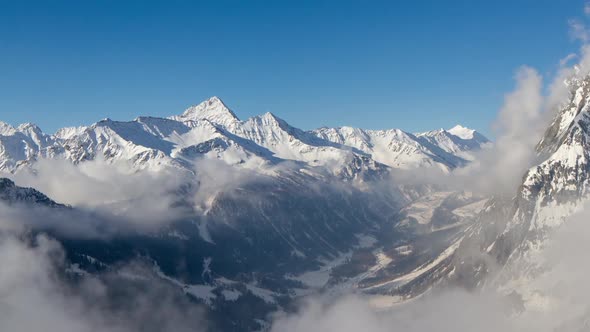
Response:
column 6, row 129
column 29, row 128
column 212, row 109
column 271, row 119
column 271, row 116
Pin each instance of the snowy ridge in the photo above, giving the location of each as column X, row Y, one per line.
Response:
column 459, row 141
column 211, row 130
column 403, row 150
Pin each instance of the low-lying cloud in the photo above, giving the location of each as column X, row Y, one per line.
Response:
column 115, row 197
column 35, row 296
column 143, row 198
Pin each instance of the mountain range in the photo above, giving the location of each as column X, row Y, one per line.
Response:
column 318, row 211
column 268, row 212
column 211, row 130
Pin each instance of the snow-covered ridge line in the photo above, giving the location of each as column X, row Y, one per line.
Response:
column 211, row 130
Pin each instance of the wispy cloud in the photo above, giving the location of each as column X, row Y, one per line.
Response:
column 578, row 30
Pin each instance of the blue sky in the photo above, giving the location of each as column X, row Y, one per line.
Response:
column 415, row 65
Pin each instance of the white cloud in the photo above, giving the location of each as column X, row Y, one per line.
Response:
column 518, row 125
column 454, row 311
column 143, row 198
column 578, row 31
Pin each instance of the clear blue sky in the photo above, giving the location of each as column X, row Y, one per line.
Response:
column 415, row 65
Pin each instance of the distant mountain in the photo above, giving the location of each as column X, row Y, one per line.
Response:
column 459, row 141
column 212, row 130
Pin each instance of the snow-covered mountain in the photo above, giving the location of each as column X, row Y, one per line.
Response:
column 301, row 228
column 395, row 147
column 212, row 130
column 312, row 203
column 459, row 141
column 404, row 150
